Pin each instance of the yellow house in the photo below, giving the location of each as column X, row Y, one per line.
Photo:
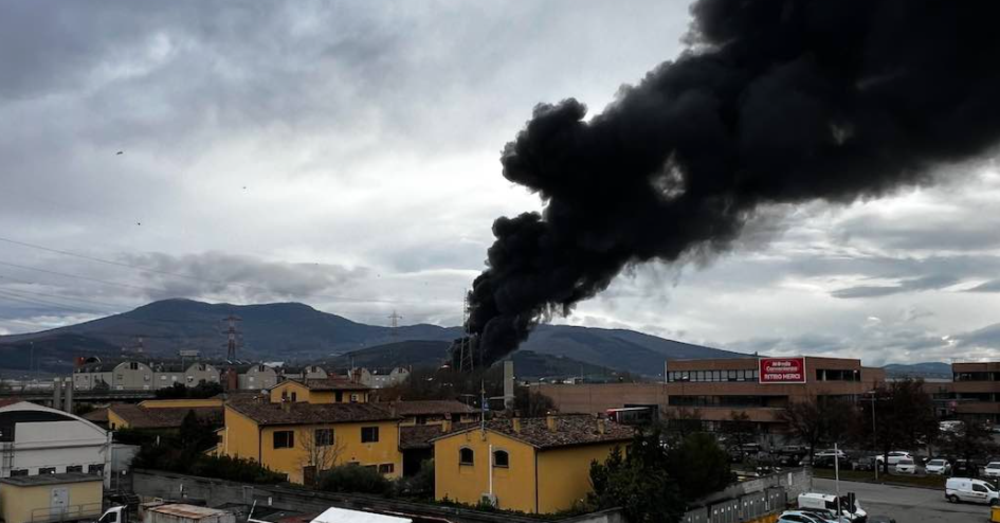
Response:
column 139, row 417
column 302, row 439
column 330, row 390
column 51, row 497
column 433, row 412
column 535, row 465
column 187, row 403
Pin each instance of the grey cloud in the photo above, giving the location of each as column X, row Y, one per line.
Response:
column 926, row 283
column 990, row 286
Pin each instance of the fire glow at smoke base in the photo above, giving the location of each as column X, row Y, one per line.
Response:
column 776, row 102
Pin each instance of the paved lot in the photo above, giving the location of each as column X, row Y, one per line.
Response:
column 907, row 504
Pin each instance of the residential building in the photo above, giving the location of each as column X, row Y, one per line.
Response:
column 123, row 375
column 717, row 388
column 256, row 377
column 301, row 439
column 536, row 465
column 380, row 378
column 40, row 440
column 433, row 412
column 317, row 391
column 138, row 417
column 308, row 372
column 166, row 374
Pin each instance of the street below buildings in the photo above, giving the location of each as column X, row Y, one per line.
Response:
column 907, row 504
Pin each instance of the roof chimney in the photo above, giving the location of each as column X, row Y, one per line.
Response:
column 446, row 426
column 516, row 422
column 550, row 422
column 286, row 406
column 602, row 426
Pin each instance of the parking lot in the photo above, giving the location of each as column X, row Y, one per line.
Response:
column 907, row 504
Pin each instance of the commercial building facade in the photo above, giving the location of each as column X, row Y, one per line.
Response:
column 713, row 390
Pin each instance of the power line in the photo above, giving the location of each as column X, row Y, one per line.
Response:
column 29, row 301
column 77, row 276
column 61, row 297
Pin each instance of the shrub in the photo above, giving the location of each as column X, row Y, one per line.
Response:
column 420, row 485
column 354, row 478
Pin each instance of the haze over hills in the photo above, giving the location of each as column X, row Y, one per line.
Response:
column 298, row 332
column 934, row 369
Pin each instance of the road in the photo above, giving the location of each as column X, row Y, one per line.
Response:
column 907, row 504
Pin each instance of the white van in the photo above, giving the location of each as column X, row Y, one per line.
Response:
column 846, row 506
column 971, row 490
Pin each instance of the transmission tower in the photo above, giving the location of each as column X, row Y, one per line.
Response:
column 233, row 336
column 394, row 323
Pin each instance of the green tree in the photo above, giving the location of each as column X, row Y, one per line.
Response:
column 532, row 404
column 820, row 420
column 637, row 482
column 699, row 466
column 970, row 442
column 354, row 478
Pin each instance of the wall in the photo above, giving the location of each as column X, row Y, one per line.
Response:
column 514, row 487
column 241, row 437
column 302, row 393
column 25, row 504
column 126, row 378
column 564, row 475
column 116, row 422
column 591, row 399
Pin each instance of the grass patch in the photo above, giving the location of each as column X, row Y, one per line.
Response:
column 869, row 477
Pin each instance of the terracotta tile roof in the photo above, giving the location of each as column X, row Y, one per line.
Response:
column 431, row 407
column 97, row 416
column 569, row 430
column 301, row 413
column 421, row 436
column 329, row 384
column 164, row 418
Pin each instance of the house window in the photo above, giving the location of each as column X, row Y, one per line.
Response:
column 354, row 398
column 421, row 420
column 133, row 365
column 386, row 468
column 501, row 459
column 340, row 397
column 466, row 456
column 295, row 397
column 74, row 468
column 284, row 439
column 95, row 469
column 323, row 437
column 19, row 472
column 369, row 434
column 46, row 470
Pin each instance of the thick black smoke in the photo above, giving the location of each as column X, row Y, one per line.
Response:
column 776, row 101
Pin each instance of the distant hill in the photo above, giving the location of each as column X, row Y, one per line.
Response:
column 297, row 332
column 432, row 354
column 935, row 369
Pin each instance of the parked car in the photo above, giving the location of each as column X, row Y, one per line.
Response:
column 802, row 516
column 864, row 463
column 906, row 466
column 826, row 515
column 964, row 468
column 971, row 490
column 952, row 426
column 894, row 456
column 992, row 469
column 831, row 452
column 847, row 506
column 938, row 466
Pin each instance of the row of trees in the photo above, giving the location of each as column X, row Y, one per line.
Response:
column 896, row 415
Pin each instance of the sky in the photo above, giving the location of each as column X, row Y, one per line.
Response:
column 346, row 155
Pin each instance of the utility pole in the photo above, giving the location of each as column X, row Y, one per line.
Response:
column 874, row 436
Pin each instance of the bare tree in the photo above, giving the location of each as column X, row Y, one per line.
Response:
column 322, row 452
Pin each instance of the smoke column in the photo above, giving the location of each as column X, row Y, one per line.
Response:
column 774, row 101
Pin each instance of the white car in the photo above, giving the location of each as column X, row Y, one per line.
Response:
column 906, row 466
column 802, row 516
column 992, row 469
column 894, row 456
column 938, row 466
column 829, row 453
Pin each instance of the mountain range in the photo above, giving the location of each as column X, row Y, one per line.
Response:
column 936, row 370
column 296, row 332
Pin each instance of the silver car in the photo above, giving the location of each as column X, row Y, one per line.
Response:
column 938, row 466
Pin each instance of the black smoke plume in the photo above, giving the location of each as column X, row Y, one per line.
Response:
column 774, row 101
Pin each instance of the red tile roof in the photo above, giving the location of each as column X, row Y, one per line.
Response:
column 300, row 413
column 333, row 384
column 431, row 407
column 569, row 430
column 164, row 418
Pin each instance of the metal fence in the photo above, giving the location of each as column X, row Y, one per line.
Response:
column 748, row 508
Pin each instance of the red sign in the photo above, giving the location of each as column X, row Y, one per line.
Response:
column 782, row 370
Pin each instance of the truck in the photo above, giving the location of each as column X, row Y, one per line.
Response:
column 168, row 513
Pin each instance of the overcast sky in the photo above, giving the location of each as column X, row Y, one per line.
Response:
column 346, row 155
